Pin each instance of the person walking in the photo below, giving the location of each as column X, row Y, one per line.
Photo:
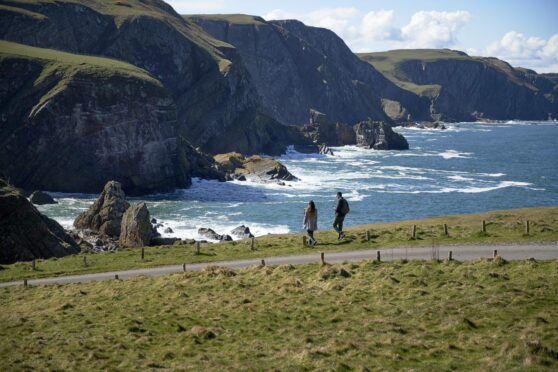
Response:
column 311, row 222
column 341, row 210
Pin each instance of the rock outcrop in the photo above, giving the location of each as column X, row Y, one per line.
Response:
column 26, row 234
column 41, row 198
column 321, row 131
column 242, row 232
column 135, row 229
column 212, row 235
column 105, row 214
column 464, row 88
column 378, row 135
column 255, row 168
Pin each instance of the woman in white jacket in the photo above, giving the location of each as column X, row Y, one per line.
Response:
column 311, row 222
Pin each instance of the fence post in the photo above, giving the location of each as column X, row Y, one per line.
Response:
column 527, row 227
column 414, row 231
column 25, row 283
column 84, row 260
column 367, row 235
column 378, row 258
column 184, row 267
column 495, row 253
column 116, row 276
column 33, row 265
column 446, row 229
column 450, row 256
column 142, row 253
column 483, row 226
column 263, row 262
column 322, row 258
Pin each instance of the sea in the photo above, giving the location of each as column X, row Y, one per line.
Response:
column 467, row 168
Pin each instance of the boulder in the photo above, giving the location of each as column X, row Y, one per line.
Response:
column 105, row 215
column 255, row 168
column 41, row 197
column 26, row 234
column 320, row 130
column 242, row 232
column 212, row 235
column 379, row 136
column 168, row 230
column 135, row 230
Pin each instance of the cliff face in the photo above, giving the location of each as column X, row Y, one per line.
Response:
column 25, row 234
column 71, row 122
column 210, row 87
column 461, row 87
column 296, row 68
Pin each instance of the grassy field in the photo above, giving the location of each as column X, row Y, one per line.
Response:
column 417, row 315
column 502, row 227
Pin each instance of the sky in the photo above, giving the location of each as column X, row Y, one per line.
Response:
column 524, row 33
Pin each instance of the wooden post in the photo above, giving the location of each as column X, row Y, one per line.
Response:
column 322, row 258
column 367, row 236
column 446, row 229
column 483, row 226
column 197, row 248
column 184, row 267
column 495, row 253
column 527, row 227
column 263, row 262
column 25, row 283
column 414, row 232
column 450, row 256
column 252, row 244
column 378, row 258
column 142, row 253
column 303, row 241
column 116, row 276
column 84, row 260
column 33, row 265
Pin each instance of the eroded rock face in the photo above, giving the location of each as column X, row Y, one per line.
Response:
column 105, row 215
column 135, row 229
column 41, row 198
column 26, row 234
column 255, row 168
column 321, row 131
column 379, row 136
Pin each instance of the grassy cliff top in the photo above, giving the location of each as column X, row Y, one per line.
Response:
column 390, row 65
column 69, row 62
column 243, row 19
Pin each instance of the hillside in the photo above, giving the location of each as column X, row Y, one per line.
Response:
column 296, row 68
column 212, row 92
column 416, row 315
column 461, row 87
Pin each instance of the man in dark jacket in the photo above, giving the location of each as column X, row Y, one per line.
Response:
column 341, row 210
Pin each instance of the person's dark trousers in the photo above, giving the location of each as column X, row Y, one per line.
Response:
column 338, row 222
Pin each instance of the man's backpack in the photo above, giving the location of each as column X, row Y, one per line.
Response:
column 344, row 207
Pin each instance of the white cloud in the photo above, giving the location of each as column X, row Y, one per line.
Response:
column 531, row 52
column 434, row 29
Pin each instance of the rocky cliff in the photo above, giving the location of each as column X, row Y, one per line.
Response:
column 295, row 68
column 461, row 87
column 210, row 87
column 72, row 122
column 25, row 234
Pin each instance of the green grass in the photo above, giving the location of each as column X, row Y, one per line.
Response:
column 502, row 227
column 418, row 315
column 241, row 19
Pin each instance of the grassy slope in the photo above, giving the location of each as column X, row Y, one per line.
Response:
column 389, row 64
column 70, row 63
column 424, row 315
column 242, row 19
column 502, row 226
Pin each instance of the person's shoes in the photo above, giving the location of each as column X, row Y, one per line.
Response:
column 341, row 235
column 314, row 242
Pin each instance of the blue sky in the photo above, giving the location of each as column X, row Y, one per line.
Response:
column 524, row 33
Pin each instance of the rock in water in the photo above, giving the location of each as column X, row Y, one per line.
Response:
column 242, row 232
column 135, row 230
column 105, row 215
column 25, row 234
column 212, row 235
column 41, row 197
column 256, row 168
column 379, row 136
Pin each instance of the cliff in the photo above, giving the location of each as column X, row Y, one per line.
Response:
column 295, row 68
column 462, row 88
column 71, row 122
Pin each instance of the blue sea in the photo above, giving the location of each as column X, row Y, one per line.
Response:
column 467, row 168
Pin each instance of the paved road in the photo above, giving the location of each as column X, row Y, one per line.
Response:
column 460, row 253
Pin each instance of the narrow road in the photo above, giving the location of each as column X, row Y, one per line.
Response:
column 459, row 253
